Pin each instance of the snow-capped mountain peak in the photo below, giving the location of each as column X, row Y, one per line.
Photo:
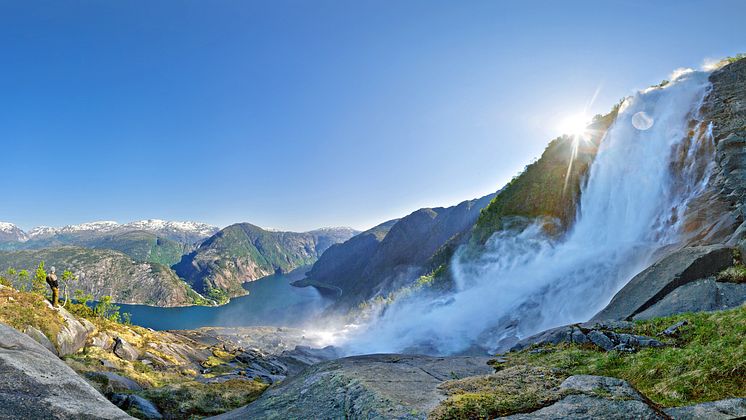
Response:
column 187, row 232
column 10, row 232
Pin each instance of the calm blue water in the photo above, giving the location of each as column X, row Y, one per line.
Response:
column 271, row 301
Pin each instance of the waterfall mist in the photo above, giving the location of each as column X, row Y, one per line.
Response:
column 652, row 161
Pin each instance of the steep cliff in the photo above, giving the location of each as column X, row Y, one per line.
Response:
column 391, row 255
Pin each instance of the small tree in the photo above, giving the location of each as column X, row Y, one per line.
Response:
column 38, row 283
column 67, row 278
column 23, row 280
column 107, row 310
column 80, row 305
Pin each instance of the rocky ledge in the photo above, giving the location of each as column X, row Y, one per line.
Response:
column 37, row 384
column 372, row 387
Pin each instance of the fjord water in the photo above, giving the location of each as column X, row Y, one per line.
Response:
column 271, row 301
column 630, row 207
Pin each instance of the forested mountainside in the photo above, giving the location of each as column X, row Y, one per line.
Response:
column 105, row 272
column 245, row 252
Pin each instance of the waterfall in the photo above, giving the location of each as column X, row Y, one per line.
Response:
column 654, row 158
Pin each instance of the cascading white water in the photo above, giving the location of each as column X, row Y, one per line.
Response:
column 630, row 207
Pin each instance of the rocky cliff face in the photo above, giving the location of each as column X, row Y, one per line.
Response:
column 718, row 215
column 104, row 272
column 391, row 255
column 244, row 252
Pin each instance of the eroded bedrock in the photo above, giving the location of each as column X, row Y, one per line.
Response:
column 364, row 387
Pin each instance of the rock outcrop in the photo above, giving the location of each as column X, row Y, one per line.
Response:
column 37, row 384
column 138, row 405
column 655, row 282
column 73, row 334
column 596, row 397
column 125, row 350
column 700, row 295
column 716, row 410
column 605, row 335
column 372, row 386
column 723, row 206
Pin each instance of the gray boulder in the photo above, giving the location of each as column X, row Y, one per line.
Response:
column 701, row 295
column 40, row 338
column 73, row 334
column 586, row 407
column 137, row 405
column 601, row 340
column 125, row 350
column 675, row 329
column 112, row 382
column 654, row 283
column 717, row 410
column 378, row 386
column 38, row 385
column 598, row 333
column 596, row 397
column 102, row 340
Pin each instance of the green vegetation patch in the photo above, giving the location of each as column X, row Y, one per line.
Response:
column 196, row 400
column 706, row 362
column 19, row 310
column 517, row 389
column 734, row 274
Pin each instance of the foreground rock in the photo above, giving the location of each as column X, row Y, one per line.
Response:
column 73, row 334
column 655, row 282
column 604, row 335
column 371, row 386
column 701, row 295
column 717, row 410
column 37, row 384
column 596, row 397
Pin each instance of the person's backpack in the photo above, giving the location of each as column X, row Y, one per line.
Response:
column 52, row 280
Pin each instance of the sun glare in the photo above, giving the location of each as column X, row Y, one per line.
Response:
column 574, row 125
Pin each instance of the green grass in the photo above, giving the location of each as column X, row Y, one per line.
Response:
column 517, row 389
column 22, row 309
column 734, row 274
column 196, row 400
column 706, row 362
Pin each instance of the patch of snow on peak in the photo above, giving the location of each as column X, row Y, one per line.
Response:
column 9, row 231
column 99, row 226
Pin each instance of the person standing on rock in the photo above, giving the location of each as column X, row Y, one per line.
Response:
column 55, row 286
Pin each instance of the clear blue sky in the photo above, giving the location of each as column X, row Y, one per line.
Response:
column 311, row 113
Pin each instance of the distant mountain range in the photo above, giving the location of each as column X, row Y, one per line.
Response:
column 134, row 262
column 185, row 232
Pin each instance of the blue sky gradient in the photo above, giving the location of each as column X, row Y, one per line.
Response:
column 300, row 114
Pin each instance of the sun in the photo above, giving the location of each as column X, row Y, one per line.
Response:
column 575, row 125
